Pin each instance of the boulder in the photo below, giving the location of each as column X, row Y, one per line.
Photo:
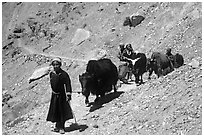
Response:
column 80, row 36
column 194, row 63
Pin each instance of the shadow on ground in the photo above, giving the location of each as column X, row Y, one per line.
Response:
column 106, row 99
column 76, row 126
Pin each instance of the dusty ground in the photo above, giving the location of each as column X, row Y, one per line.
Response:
column 33, row 33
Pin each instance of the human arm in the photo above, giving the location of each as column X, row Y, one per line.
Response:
column 68, row 88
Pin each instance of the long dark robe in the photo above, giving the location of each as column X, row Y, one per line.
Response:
column 60, row 109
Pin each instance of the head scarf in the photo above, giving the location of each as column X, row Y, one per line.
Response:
column 57, row 59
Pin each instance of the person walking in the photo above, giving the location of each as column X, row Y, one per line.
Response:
column 123, row 67
column 168, row 52
column 121, row 49
column 60, row 109
column 170, row 56
column 127, row 54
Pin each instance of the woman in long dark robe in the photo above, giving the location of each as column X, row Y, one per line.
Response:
column 60, row 109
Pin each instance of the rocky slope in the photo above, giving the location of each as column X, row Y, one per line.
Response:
column 33, row 33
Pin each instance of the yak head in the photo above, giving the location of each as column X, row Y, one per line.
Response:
column 85, row 79
column 150, row 64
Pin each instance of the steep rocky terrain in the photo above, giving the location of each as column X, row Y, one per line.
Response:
column 34, row 33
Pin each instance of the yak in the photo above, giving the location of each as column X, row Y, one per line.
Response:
column 100, row 77
column 160, row 64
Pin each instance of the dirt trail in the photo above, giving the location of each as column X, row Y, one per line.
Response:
column 33, row 51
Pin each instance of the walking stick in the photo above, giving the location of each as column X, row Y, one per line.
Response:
column 72, row 113
column 70, row 105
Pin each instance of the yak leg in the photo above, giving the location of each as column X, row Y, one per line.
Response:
column 150, row 73
column 87, row 101
column 136, row 74
column 159, row 72
column 141, row 81
column 136, row 79
column 129, row 77
column 97, row 98
column 115, row 89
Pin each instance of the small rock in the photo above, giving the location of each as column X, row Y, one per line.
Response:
column 132, row 127
column 113, row 29
column 5, row 92
column 95, row 116
column 95, row 126
column 194, row 63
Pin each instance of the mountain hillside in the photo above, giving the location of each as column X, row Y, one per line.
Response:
column 34, row 33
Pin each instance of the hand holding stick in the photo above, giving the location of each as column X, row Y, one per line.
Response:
column 68, row 99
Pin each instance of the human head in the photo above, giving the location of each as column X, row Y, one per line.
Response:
column 56, row 63
column 168, row 50
column 129, row 47
column 122, row 46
